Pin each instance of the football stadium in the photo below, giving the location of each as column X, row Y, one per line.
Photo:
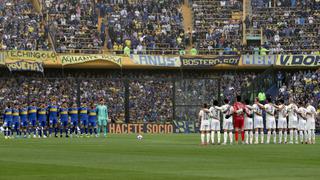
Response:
column 159, row 89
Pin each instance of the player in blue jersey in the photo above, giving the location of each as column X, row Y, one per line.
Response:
column 74, row 116
column 7, row 117
column 93, row 119
column 53, row 117
column 32, row 116
column 16, row 119
column 24, row 118
column 42, row 118
column 83, row 111
column 64, row 119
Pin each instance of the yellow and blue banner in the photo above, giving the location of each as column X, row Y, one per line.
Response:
column 298, row 60
column 156, row 60
column 77, row 59
column 25, row 66
column 259, row 60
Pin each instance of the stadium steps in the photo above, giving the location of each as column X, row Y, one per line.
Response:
column 187, row 17
column 250, row 33
column 37, row 5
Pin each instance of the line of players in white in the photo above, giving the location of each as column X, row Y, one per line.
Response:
column 292, row 117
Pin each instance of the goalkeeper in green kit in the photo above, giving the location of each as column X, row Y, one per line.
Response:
column 102, row 111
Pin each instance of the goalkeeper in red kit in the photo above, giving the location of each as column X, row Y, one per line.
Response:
column 238, row 118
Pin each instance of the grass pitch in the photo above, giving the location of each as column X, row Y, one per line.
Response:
column 174, row 156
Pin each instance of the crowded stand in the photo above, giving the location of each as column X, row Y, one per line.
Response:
column 288, row 26
column 100, row 32
column 21, row 28
column 73, row 26
column 216, row 27
column 144, row 26
column 150, row 99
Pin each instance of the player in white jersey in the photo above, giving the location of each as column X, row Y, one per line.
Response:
column 215, row 121
column 282, row 121
column 204, row 125
column 293, row 120
column 258, row 122
column 311, row 123
column 227, row 126
column 302, row 125
column 248, row 123
column 270, row 120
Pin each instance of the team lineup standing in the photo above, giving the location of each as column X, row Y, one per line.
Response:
column 298, row 120
column 47, row 121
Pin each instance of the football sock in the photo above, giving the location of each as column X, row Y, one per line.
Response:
column 274, row 136
column 280, row 136
column 230, row 137
column 202, row 138
column 262, row 136
column 301, row 136
column 208, row 137
column 219, row 135
column 268, row 136
column 225, row 136
column 256, row 136
column 99, row 130
column 313, row 135
column 105, row 130
column 247, row 136
column 306, row 134
column 285, row 136
column 242, row 135
column 212, row 137
column 236, row 135
column 296, row 135
column 251, row 137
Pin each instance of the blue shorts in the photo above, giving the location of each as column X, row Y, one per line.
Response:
column 43, row 123
column 7, row 123
column 64, row 123
column 53, row 121
column 84, row 122
column 93, row 123
column 74, row 123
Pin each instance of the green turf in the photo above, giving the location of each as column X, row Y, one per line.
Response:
column 176, row 156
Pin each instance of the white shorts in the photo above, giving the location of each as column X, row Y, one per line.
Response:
column 271, row 124
column 311, row 124
column 215, row 125
column 248, row 124
column 293, row 124
column 205, row 126
column 227, row 124
column 302, row 125
column 282, row 124
column 258, row 122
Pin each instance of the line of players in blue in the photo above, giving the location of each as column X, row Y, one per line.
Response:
column 43, row 121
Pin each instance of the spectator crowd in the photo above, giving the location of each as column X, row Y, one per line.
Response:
column 74, row 26
column 151, row 25
column 21, row 28
column 151, row 96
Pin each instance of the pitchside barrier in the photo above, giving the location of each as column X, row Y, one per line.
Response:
column 152, row 128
